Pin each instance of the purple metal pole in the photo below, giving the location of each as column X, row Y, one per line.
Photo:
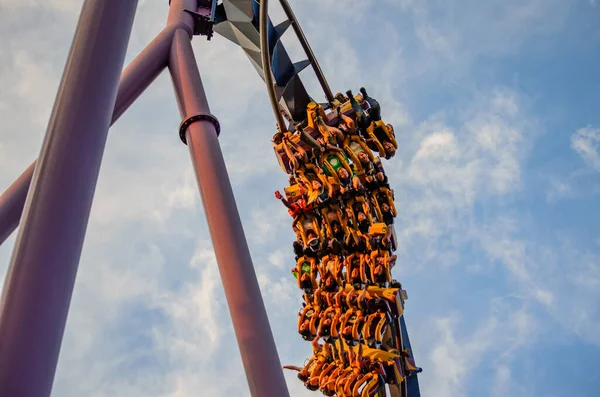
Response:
column 12, row 202
column 39, row 284
column 140, row 73
column 246, row 306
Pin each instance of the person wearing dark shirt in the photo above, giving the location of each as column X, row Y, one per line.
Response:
column 334, row 246
column 345, row 179
column 382, row 137
column 380, row 175
column 305, row 281
column 380, row 271
column 363, row 223
column 387, row 214
column 365, row 162
column 362, row 119
column 388, row 219
column 354, row 247
column 382, row 242
column 374, row 107
column 374, row 172
column 371, row 183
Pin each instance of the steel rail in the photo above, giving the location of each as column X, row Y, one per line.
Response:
column 266, row 63
column 307, row 49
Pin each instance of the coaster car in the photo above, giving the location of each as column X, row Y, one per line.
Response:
column 380, row 137
column 329, row 325
column 372, row 383
column 356, row 242
column 356, row 270
column 310, row 373
column 334, row 222
column 357, row 149
column 313, row 112
column 375, row 328
column 309, row 232
column 315, row 182
column 351, row 327
column 304, row 139
column 391, row 361
column 330, row 134
column 294, row 193
column 380, row 267
column 308, row 322
column 333, row 162
column 331, row 268
column 392, row 296
column 364, row 379
column 295, row 154
column 380, row 197
column 306, row 272
column 359, row 213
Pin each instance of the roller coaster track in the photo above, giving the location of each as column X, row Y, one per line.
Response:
column 247, row 24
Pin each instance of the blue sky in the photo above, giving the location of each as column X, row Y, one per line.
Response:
column 497, row 183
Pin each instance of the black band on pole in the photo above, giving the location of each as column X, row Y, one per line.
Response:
column 198, row 117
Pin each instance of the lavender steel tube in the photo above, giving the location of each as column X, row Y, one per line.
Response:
column 12, row 202
column 140, row 73
column 250, row 322
column 39, row 284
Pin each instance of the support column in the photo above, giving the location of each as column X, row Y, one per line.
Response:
column 246, row 306
column 12, row 202
column 40, row 279
column 138, row 75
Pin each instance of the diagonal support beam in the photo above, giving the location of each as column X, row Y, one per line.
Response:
column 12, row 202
column 140, row 73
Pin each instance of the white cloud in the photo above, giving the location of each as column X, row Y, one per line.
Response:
column 559, row 190
column 586, row 142
column 451, row 162
column 502, row 381
column 458, row 350
column 561, row 278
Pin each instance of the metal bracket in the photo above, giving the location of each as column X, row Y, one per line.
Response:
column 203, row 24
column 199, row 117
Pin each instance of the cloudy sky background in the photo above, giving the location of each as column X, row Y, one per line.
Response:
column 497, row 181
